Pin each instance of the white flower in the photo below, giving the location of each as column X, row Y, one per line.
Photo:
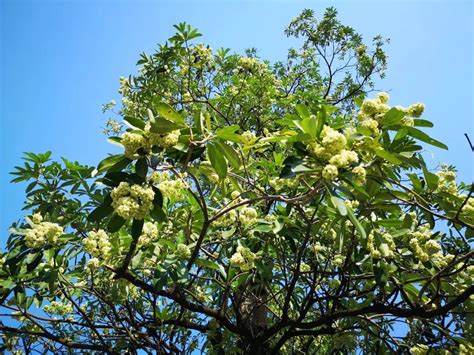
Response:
column 330, row 172
column 134, row 201
column 183, row 251
column 97, row 244
column 247, row 216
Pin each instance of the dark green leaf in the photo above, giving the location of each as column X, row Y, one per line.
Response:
column 228, row 133
column 431, row 179
column 157, row 214
column 135, row 122
column 393, row 116
column 141, row 167
column 387, row 156
column 339, row 204
column 115, row 223
column 113, row 163
column 415, row 133
column 231, row 155
column 102, row 211
column 137, row 226
column 161, row 126
column 168, row 112
column 217, row 160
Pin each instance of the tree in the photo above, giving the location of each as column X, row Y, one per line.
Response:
column 256, row 208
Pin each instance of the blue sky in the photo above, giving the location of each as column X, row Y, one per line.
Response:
column 61, row 60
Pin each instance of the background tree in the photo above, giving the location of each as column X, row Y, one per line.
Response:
column 256, row 208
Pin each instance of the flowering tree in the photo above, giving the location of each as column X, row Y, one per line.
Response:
column 256, row 208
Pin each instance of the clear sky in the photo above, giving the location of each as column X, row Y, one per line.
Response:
column 61, row 60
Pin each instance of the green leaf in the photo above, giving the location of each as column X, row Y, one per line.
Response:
column 157, row 214
column 302, row 111
column 356, row 223
column 113, row 163
column 217, row 160
column 415, row 133
column 400, row 134
column 231, row 155
column 35, row 262
column 168, row 112
column 422, row 123
column 321, row 118
column 161, row 125
column 387, row 156
column 392, row 116
column 228, row 133
column 310, row 126
column 115, row 223
column 339, row 204
column 431, row 179
column 135, row 122
column 141, row 167
column 137, row 226
column 102, row 211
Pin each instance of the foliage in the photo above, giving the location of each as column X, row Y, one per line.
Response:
column 255, row 208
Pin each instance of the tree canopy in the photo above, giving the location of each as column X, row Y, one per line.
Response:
column 257, row 207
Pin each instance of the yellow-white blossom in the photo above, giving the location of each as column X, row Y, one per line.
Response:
column 344, row 158
column 248, row 137
column 248, row 216
column 383, row 97
column 148, row 235
column 134, row 201
column 132, row 142
column 42, row 233
column 97, row 244
column 330, row 172
column 416, row 110
column 182, row 251
column 227, row 219
column 243, row 258
column 419, row 349
column 60, row 308
column 165, row 140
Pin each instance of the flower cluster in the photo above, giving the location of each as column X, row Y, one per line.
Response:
column 372, row 111
column 467, row 211
column 182, row 251
column 305, row 267
column 247, row 216
column 447, row 181
column 93, row 264
column 419, row 349
column 135, row 143
column 201, row 296
column 330, row 172
column 248, row 137
column 149, row 234
column 279, row 183
column 42, row 233
column 201, row 56
column 170, row 188
column 165, row 140
column 386, row 249
column 243, row 259
column 359, row 174
column 134, row 201
column 97, row 244
column 132, row 142
column 227, row 219
column 248, row 63
column 332, row 149
column 422, row 245
column 54, row 307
